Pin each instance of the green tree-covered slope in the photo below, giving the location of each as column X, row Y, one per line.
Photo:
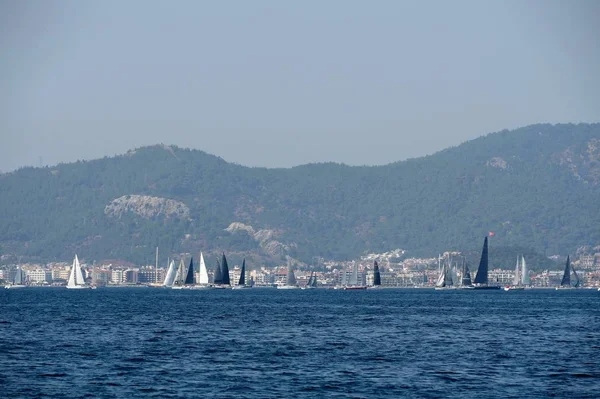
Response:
column 536, row 187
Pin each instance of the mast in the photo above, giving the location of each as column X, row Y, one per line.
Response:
column 566, row 280
column 482, row 271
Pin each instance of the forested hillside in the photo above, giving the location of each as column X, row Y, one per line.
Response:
column 536, row 187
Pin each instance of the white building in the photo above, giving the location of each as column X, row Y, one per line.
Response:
column 39, row 275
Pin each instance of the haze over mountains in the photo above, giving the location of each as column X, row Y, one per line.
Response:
column 537, row 187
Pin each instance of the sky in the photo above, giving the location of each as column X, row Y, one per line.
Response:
column 281, row 83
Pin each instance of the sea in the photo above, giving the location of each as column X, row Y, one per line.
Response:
column 268, row 343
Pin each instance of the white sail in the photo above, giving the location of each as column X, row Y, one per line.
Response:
column 19, row 279
column 454, row 275
column 344, row 276
column 72, row 279
column 516, row 278
column 170, row 277
column 180, row 275
column 526, row 280
column 203, row 271
column 76, row 276
column 354, row 275
column 441, row 278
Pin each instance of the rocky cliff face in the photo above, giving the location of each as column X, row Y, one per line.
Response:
column 583, row 163
column 265, row 238
column 147, row 207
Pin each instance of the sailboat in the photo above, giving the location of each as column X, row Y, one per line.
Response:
column 242, row 281
column 353, row 283
column 312, row 282
column 465, row 282
column 170, row 277
column 179, row 280
column 291, row 283
column 202, row 275
column 76, row 280
column 221, row 279
column 521, row 278
column 566, row 283
column 156, row 283
column 481, row 278
column 376, row 276
column 448, row 278
column 18, row 280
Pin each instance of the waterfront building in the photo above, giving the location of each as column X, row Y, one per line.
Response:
column 39, row 275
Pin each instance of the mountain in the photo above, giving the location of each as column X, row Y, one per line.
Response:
column 535, row 187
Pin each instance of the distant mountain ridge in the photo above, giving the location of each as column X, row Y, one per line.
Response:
column 535, row 187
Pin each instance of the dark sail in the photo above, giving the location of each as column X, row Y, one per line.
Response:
column 566, row 280
column 376, row 274
column 218, row 277
column 314, row 281
column 482, row 271
column 576, row 284
column 466, row 277
column 189, row 278
column 225, row 270
column 243, row 274
column 310, row 280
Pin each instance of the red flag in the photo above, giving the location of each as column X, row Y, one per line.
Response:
column 491, row 234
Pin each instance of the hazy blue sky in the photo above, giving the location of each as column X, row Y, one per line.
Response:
column 281, row 83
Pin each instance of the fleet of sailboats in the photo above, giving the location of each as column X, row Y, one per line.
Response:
column 521, row 279
column 185, row 277
column 448, row 278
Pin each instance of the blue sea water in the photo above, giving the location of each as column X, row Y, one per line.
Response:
column 266, row 343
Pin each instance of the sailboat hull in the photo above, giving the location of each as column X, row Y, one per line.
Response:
column 487, row 287
column 514, row 288
column 78, row 287
column 287, row 287
column 14, row 286
column 200, row 287
column 240, row 287
column 354, row 288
